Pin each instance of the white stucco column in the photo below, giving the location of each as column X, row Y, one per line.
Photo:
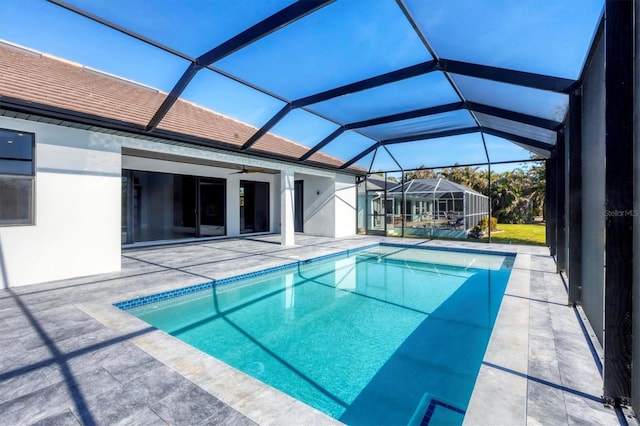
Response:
column 286, row 207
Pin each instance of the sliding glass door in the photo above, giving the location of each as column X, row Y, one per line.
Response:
column 162, row 206
column 254, row 206
column 212, row 205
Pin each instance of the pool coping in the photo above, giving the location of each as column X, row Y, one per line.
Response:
column 145, row 300
column 266, row 405
column 498, row 394
column 165, row 295
column 257, row 401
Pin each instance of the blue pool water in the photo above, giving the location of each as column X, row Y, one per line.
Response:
column 390, row 335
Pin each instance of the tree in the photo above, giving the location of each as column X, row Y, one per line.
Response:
column 467, row 176
column 516, row 195
column 537, row 187
column 420, row 173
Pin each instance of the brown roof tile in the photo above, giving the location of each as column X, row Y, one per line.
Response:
column 61, row 84
column 44, row 79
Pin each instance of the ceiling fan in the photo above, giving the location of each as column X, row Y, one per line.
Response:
column 245, row 170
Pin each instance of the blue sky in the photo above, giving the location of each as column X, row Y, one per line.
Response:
column 347, row 41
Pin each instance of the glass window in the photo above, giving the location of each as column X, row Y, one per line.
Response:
column 16, row 177
column 16, row 201
column 14, row 167
column 16, row 145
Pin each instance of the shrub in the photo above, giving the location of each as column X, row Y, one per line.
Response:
column 483, row 224
column 475, row 232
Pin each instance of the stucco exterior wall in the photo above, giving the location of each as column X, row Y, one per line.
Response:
column 345, row 206
column 78, row 184
column 319, row 217
column 77, row 208
column 329, row 205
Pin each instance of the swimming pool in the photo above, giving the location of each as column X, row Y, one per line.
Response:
column 390, row 335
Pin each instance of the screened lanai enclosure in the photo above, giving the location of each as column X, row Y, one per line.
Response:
column 434, row 207
column 369, row 88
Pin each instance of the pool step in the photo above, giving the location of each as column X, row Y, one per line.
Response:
column 437, row 409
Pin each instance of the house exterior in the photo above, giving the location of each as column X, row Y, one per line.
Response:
column 447, row 208
column 579, row 113
column 80, row 178
column 419, row 207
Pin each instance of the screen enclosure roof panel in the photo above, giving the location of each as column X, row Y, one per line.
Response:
column 389, row 83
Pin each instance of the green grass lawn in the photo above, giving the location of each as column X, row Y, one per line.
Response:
column 533, row 233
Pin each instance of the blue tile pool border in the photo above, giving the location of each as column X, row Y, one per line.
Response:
column 432, row 409
column 145, row 300
column 454, row 249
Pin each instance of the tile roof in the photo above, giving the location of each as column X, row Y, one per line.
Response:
column 47, row 80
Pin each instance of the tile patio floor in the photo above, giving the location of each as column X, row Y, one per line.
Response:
column 69, row 357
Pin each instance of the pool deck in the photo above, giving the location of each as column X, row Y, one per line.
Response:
column 69, row 357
